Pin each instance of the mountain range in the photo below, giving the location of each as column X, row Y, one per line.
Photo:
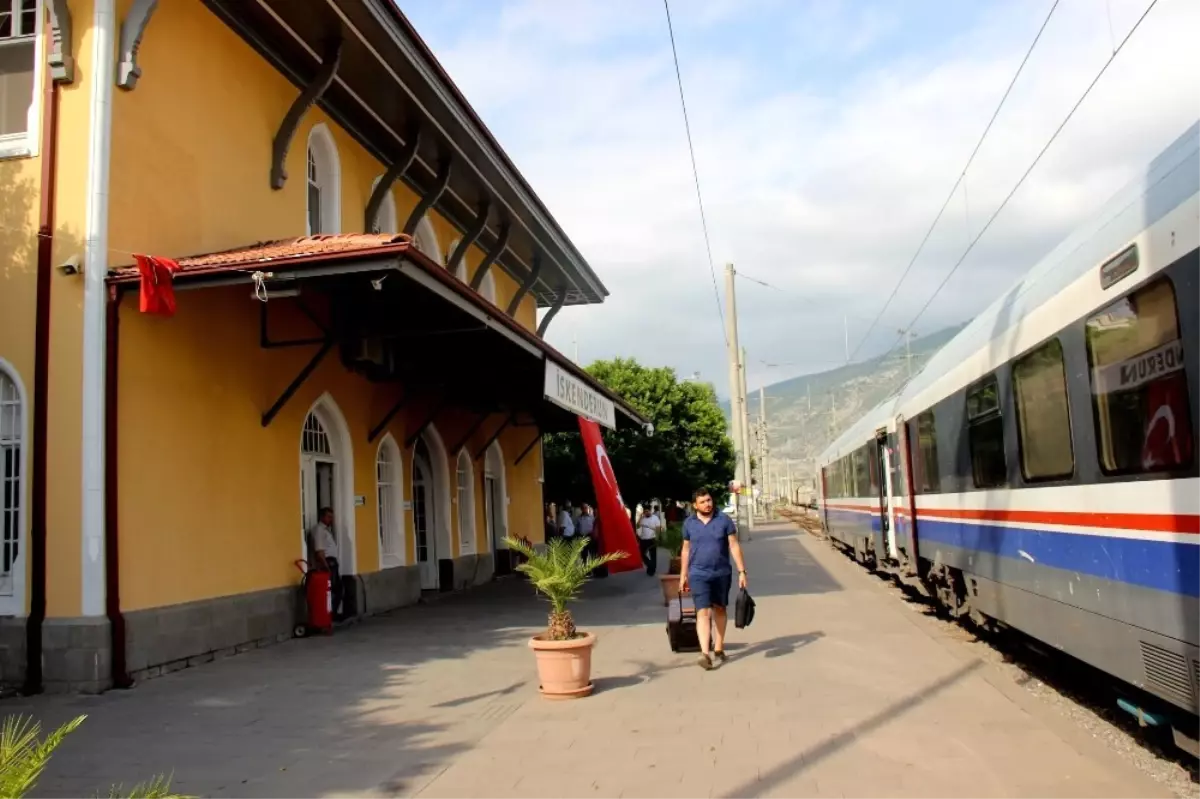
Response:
column 805, row 413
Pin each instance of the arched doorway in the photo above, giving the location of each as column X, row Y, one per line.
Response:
column 326, row 480
column 12, row 492
column 424, row 510
column 431, row 507
column 495, row 504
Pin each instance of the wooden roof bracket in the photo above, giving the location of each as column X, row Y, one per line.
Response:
column 297, row 382
column 469, row 238
column 60, row 58
column 133, row 27
column 536, row 438
column 495, row 252
column 432, row 196
column 412, row 141
column 526, row 284
column 312, row 92
column 264, row 337
column 470, row 432
column 387, row 417
column 559, row 299
column 492, row 440
column 434, row 410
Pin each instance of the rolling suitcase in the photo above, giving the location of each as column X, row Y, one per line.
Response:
column 681, row 625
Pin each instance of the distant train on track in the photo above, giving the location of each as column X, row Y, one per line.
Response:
column 1040, row 472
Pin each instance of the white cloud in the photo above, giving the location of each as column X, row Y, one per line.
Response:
column 824, row 185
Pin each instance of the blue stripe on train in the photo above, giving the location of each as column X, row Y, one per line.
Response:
column 1163, row 565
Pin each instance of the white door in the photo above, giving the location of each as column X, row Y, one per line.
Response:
column 423, row 525
column 489, row 511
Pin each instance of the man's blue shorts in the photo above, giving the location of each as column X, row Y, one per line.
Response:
column 710, row 590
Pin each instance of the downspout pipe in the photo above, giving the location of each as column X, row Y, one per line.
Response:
column 112, row 550
column 95, row 297
column 41, row 383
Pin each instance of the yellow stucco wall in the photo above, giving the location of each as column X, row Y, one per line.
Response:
column 20, row 197
column 209, row 499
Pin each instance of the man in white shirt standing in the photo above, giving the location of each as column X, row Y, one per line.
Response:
column 324, row 545
column 566, row 525
column 647, row 533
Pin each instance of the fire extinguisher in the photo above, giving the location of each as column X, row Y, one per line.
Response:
column 318, row 599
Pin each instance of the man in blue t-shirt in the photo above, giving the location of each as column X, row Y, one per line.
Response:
column 709, row 539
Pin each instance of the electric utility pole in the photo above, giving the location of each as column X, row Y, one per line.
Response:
column 746, row 439
column 737, row 398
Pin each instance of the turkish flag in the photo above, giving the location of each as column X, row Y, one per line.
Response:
column 616, row 528
column 158, row 295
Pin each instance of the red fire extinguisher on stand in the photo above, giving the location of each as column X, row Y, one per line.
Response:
column 318, row 599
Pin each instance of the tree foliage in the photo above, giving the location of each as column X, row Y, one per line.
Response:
column 690, row 447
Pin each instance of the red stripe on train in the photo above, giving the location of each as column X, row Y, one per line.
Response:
column 1154, row 522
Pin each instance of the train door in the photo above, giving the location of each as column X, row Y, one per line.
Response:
column 905, row 495
column 884, row 480
column 824, row 498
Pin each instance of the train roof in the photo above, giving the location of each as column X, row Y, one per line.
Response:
column 861, row 431
column 1171, row 178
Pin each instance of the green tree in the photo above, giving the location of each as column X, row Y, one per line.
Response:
column 690, row 447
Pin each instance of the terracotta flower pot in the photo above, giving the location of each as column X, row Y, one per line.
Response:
column 670, row 587
column 564, row 667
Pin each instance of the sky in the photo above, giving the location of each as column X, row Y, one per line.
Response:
column 827, row 135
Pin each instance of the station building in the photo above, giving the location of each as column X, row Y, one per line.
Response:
column 357, row 270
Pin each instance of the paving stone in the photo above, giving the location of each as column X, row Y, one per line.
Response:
column 831, row 692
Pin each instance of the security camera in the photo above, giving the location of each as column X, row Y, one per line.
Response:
column 70, row 266
column 649, row 429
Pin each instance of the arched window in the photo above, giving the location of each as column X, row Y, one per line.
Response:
column 466, row 504
column 425, row 240
column 385, row 219
column 12, row 472
column 387, row 493
column 324, row 180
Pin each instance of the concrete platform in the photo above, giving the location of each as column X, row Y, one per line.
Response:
column 834, row 691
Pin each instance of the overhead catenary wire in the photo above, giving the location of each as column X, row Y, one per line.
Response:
column 961, row 176
column 1033, row 165
column 712, row 268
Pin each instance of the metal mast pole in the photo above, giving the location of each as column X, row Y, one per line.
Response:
column 737, row 397
column 747, row 438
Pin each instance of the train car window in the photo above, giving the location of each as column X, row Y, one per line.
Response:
column 985, row 434
column 873, row 469
column 858, row 470
column 927, row 478
column 1043, row 418
column 1139, row 388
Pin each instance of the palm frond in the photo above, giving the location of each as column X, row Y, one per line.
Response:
column 23, row 757
column 560, row 571
column 157, row 788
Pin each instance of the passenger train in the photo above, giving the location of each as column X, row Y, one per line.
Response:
column 1040, row 472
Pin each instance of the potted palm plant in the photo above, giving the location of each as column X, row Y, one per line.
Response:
column 564, row 655
column 671, row 539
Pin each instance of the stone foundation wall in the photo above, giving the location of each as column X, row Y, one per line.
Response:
column 12, row 651
column 473, row 570
column 77, row 655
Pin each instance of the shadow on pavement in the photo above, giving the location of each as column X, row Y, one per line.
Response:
column 776, row 647
column 768, row 781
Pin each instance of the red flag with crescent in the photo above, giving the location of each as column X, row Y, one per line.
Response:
column 616, row 529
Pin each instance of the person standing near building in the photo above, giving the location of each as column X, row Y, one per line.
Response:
column 324, row 544
column 709, row 543
column 566, row 525
column 647, row 533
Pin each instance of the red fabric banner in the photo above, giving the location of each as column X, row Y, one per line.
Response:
column 158, row 295
column 616, row 529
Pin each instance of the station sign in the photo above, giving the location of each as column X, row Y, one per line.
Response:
column 569, row 392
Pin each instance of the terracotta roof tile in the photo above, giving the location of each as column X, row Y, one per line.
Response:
column 283, row 250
